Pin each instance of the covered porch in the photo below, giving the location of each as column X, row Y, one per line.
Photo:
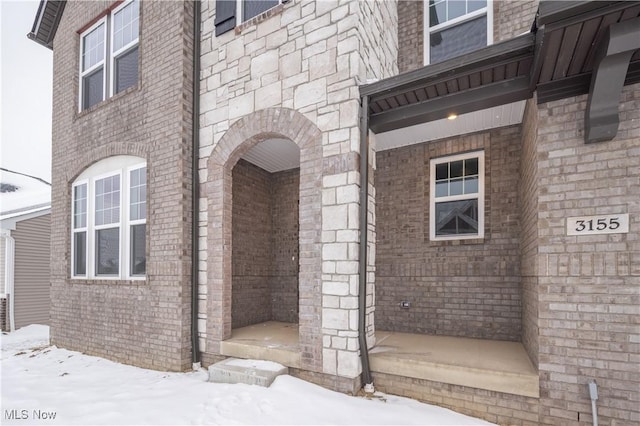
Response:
column 477, row 363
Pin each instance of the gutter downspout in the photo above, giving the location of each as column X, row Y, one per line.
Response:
column 195, row 184
column 9, row 259
column 362, row 262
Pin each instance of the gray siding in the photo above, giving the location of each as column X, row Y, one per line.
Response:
column 3, row 243
column 31, row 271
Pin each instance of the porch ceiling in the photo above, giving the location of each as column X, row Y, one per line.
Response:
column 274, row 155
column 567, row 39
column 496, row 75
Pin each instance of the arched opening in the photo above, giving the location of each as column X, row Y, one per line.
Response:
column 265, row 231
column 249, row 146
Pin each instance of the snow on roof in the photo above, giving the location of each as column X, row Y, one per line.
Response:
column 21, row 193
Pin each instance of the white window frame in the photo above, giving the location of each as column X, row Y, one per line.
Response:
column 129, row 222
column 240, row 10
column 124, row 49
column 479, row 195
column 488, row 10
column 122, row 166
column 95, row 228
column 84, row 229
column 109, row 57
column 102, row 63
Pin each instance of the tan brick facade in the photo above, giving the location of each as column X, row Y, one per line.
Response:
column 587, row 289
column 467, row 288
column 146, row 323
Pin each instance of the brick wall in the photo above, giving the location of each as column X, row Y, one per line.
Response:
column 265, row 245
column 252, row 245
column 512, row 18
column 284, row 283
column 460, row 288
column 496, row 407
column 529, row 230
column 146, row 323
column 588, row 296
column 410, row 35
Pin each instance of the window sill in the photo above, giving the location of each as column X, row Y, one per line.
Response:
column 259, row 18
column 101, row 104
column 458, row 242
column 114, row 281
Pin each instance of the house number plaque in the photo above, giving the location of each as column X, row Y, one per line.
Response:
column 600, row 224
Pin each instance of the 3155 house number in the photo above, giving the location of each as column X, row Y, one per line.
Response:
column 602, row 224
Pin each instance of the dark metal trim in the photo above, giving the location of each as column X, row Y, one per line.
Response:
column 618, row 45
column 557, row 14
column 45, row 36
column 452, row 67
column 487, row 96
column 362, row 259
column 195, row 184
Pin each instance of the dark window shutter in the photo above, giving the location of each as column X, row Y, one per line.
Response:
column 225, row 16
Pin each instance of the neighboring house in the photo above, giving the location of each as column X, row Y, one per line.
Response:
column 491, row 265
column 25, row 216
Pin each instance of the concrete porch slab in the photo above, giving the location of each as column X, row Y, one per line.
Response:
column 247, row 371
column 271, row 341
column 483, row 364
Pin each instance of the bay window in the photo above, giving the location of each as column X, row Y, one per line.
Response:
column 109, row 220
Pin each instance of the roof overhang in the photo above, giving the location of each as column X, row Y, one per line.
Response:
column 569, row 34
column 496, row 75
column 575, row 48
column 46, row 22
column 9, row 220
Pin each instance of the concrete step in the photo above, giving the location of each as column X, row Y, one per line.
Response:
column 247, row 371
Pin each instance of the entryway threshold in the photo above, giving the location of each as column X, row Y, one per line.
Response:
column 483, row 364
column 270, row 341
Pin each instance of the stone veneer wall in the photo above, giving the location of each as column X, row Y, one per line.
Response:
column 511, row 18
column 465, row 288
column 588, row 297
column 145, row 323
column 293, row 72
column 265, row 245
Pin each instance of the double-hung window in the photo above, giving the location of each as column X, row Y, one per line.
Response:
column 109, row 220
column 456, row 27
column 109, row 54
column 247, row 9
column 231, row 13
column 457, row 197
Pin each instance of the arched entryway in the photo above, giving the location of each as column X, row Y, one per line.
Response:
column 264, row 235
column 238, row 188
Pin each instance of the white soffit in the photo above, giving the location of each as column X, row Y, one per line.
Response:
column 490, row 118
column 274, row 155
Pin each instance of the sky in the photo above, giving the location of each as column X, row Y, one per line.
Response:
column 43, row 384
column 25, row 90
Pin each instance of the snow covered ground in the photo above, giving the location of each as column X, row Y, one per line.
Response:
column 42, row 384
